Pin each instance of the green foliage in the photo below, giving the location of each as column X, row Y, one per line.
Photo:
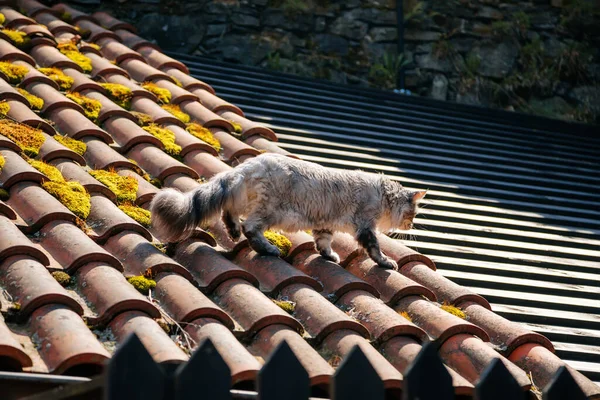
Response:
column 138, row 214
column 281, row 242
column 77, row 146
column 442, row 49
column 383, row 73
column 62, row 277
column 414, row 11
column 124, row 187
column 142, row 284
column 29, row 139
column 274, row 61
column 14, row 73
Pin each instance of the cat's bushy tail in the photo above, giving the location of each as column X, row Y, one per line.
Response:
column 175, row 215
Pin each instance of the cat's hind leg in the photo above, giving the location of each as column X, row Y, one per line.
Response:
column 366, row 238
column 232, row 223
column 323, row 239
column 254, row 227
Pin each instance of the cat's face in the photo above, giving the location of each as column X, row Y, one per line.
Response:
column 409, row 208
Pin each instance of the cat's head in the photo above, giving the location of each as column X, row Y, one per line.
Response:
column 405, row 208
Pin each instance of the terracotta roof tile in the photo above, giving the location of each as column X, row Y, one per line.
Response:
column 187, row 81
column 74, row 15
column 159, row 116
column 114, row 50
column 110, row 22
column 8, row 52
column 214, row 103
column 96, row 31
column 51, row 150
column 126, row 132
column 33, row 8
column 13, row 243
column 11, row 349
column 233, row 148
column 157, row 163
column 49, row 56
column 204, row 116
column 74, row 172
column 17, row 170
column 102, row 68
column 106, row 220
column 13, row 17
column 55, row 24
column 71, row 122
column 22, row 113
column 249, row 128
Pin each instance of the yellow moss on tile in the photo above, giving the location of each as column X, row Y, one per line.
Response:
column 142, row 284
column 90, row 106
column 454, row 310
column 176, row 111
column 164, row 96
column 29, row 139
column 35, row 102
column 18, row 38
column 64, row 81
column 203, row 134
column 2, row 162
column 49, row 170
column 118, row 93
column 72, row 195
column 138, row 214
column 406, row 316
column 14, row 73
column 236, row 127
column 281, row 242
column 286, row 305
column 124, row 187
column 4, row 195
column 177, row 81
column 166, row 137
column 66, row 16
column 143, row 119
column 67, row 46
column 4, row 109
column 62, row 277
column 2, row 19
column 76, row 145
column 70, row 50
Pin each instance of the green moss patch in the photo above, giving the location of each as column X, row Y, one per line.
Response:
column 176, row 111
column 90, row 106
column 449, row 308
column 72, row 195
column 35, row 102
column 203, row 134
column 166, row 137
column 62, row 277
column 143, row 119
column 124, row 187
column 64, row 81
column 4, row 109
column 76, row 145
column 120, row 94
column 281, row 242
column 29, row 139
column 138, row 214
column 286, row 305
column 72, row 52
column 14, row 73
column 164, row 96
column 49, row 170
column 142, row 284
column 236, row 127
column 2, row 162
column 18, row 38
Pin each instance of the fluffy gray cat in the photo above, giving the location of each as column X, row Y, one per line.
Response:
column 275, row 191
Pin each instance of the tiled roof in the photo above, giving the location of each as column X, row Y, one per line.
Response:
column 207, row 286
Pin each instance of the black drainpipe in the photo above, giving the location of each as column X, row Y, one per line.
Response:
column 400, row 18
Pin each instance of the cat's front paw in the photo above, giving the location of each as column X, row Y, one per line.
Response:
column 234, row 233
column 388, row 263
column 331, row 256
column 270, row 251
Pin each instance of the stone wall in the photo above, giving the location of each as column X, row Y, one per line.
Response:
column 532, row 56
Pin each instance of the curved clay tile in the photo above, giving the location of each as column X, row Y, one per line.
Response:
column 8, row 52
column 244, row 367
column 444, row 289
column 10, row 348
column 249, row 128
column 8, row 92
column 7, row 211
column 318, row 315
column 34, row 76
column 158, row 163
column 99, row 155
column 33, row 8
column 401, row 351
column 7, row 144
column 117, row 51
column 139, row 256
column 106, row 220
column 341, row 342
column 88, row 47
column 96, row 31
column 214, row 103
column 110, row 294
column 13, row 18
column 13, row 243
column 142, row 72
column 234, row 295
column 30, row 284
column 55, row 24
column 267, row 340
column 382, row 322
column 73, row 172
column 137, row 90
column 205, row 164
column 188, row 82
column 109, row 109
column 110, row 22
column 101, row 67
column 128, row 133
column 74, row 14
column 233, row 148
column 208, row 266
column 74, row 124
column 53, row 99
column 469, row 356
column 301, row 242
column 49, row 56
column 400, row 253
column 161, row 61
column 185, row 303
column 132, row 40
column 159, row 116
column 82, row 82
column 65, row 342
column 438, row 324
column 51, row 150
column 153, row 337
column 260, row 143
column 188, row 142
column 273, row 273
column 204, row 116
column 39, row 35
column 392, row 285
column 36, row 206
column 23, row 114
column 72, row 248
column 17, row 170
column 146, row 190
column 503, row 333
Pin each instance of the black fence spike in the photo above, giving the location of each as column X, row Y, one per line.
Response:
column 563, row 386
column 427, row 378
column 206, row 373
column 132, row 374
column 283, row 377
column 356, row 379
column 497, row 383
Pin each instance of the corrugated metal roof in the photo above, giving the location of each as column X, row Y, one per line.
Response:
column 512, row 210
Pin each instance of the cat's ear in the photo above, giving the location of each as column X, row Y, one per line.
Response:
column 418, row 196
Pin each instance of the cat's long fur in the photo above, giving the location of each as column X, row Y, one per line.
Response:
column 274, row 191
